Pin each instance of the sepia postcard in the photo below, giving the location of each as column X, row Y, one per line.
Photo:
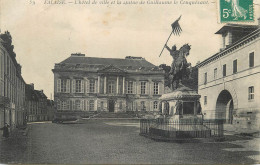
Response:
column 129, row 81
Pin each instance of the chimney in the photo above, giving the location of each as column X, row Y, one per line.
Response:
column 77, row 55
column 32, row 85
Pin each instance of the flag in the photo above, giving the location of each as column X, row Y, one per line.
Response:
column 176, row 29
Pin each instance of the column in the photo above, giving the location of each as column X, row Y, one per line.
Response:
column 117, row 84
column 105, row 84
column 123, row 85
column 98, row 86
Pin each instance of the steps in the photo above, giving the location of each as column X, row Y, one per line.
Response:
column 115, row 115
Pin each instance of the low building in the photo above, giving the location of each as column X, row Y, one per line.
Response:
column 83, row 84
column 36, row 104
column 229, row 80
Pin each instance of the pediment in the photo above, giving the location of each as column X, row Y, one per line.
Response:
column 111, row 69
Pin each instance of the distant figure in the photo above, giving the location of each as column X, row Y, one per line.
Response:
column 178, row 107
column 5, row 130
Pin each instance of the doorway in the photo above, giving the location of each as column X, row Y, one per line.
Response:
column 225, row 107
column 111, row 105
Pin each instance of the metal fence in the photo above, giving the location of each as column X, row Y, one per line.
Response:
column 181, row 128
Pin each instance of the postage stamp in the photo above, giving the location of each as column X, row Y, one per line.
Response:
column 236, row 11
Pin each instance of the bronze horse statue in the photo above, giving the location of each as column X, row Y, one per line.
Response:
column 179, row 64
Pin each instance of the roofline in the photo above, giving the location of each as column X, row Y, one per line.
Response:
column 126, row 72
column 255, row 34
column 235, row 25
column 102, row 58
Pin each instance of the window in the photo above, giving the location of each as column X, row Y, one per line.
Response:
column 130, row 87
column 77, row 105
column 63, row 85
column 215, row 73
column 91, row 105
column 235, row 66
column 205, row 100
column 111, row 87
column 251, row 59
column 205, row 78
column 92, row 86
column 62, row 105
column 251, row 93
column 155, row 105
column 143, row 108
column 143, row 85
column 78, row 86
column 224, row 70
column 156, row 88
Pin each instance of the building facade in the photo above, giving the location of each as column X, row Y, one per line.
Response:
column 36, row 104
column 229, row 80
column 83, row 84
column 50, row 109
column 12, row 85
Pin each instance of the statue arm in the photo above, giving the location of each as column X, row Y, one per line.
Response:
column 167, row 47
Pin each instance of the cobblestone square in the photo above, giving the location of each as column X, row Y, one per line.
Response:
column 118, row 142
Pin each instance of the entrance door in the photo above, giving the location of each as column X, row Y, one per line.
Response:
column 111, row 105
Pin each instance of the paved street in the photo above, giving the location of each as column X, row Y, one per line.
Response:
column 99, row 141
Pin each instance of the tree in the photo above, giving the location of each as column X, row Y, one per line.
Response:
column 190, row 78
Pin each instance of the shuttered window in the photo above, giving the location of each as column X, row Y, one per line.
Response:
column 59, row 85
column 155, row 105
column 251, row 59
column 235, row 66
column 215, row 73
column 91, row 86
column 251, row 93
column 77, row 105
column 130, row 87
column 143, row 88
column 91, row 105
column 224, row 70
column 205, row 78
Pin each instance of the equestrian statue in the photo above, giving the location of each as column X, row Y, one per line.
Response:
column 179, row 64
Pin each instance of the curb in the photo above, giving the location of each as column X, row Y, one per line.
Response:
column 183, row 140
column 252, row 134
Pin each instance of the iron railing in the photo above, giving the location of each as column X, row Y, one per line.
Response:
column 182, row 128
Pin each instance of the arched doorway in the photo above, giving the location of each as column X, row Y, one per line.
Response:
column 225, row 106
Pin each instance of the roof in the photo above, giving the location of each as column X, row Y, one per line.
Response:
column 40, row 94
column 181, row 93
column 244, row 40
column 107, row 61
column 236, row 26
column 32, row 94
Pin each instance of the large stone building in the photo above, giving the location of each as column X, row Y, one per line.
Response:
column 12, row 85
column 83, row 84
column 229, row 80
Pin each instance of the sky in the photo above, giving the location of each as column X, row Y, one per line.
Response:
column 45, row 34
